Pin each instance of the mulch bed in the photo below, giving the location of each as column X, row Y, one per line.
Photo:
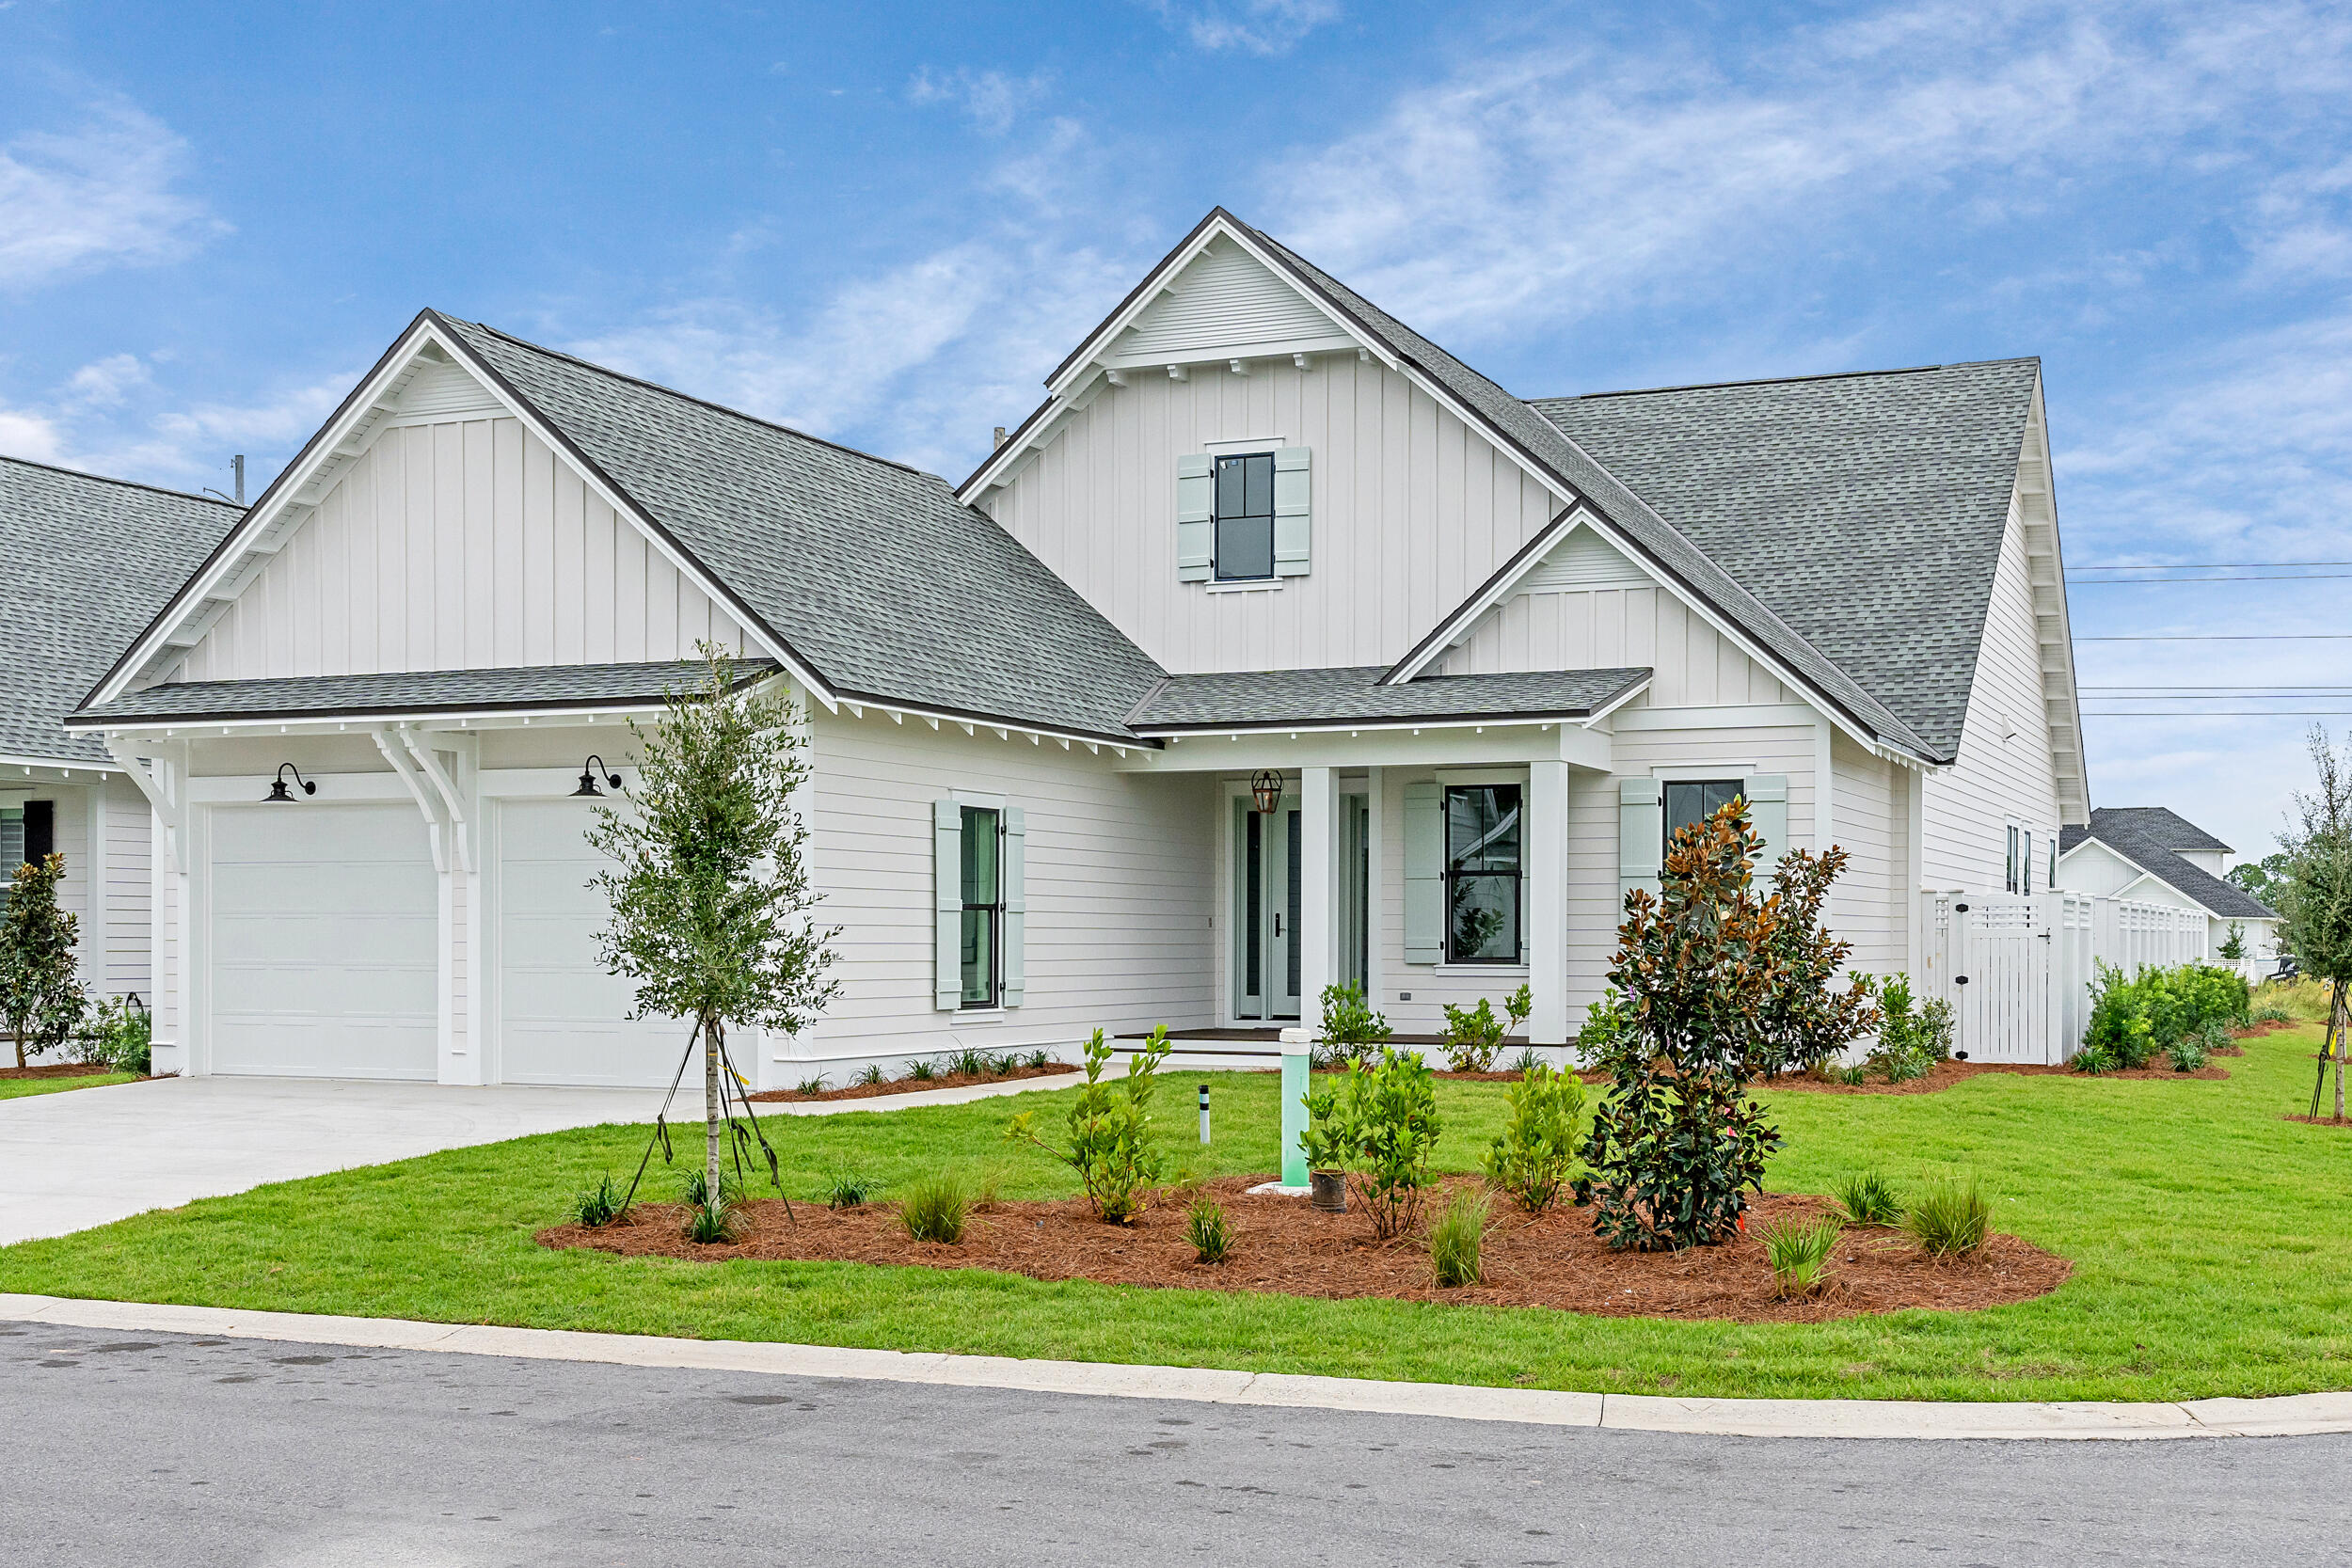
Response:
column 1943, row 1075
column 915, row 1086
column 1282, row 1246
column 2321, row 1121
column 57, row 1070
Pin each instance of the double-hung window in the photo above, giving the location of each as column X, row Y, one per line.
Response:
column 2010, row 866
column 1245, row 517
column 1482, row 874
column 1692, row 801
column 983, row 907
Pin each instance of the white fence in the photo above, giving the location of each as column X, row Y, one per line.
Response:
column 2017, row 969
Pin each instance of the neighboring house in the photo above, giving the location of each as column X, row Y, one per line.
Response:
column 1482, row 656
column 84, row 562
column 2157, row 856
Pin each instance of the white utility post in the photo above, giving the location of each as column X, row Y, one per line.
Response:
column 1545, row 848
column 1318, row 899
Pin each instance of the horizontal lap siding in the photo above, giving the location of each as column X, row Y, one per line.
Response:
column 1870, row 817
column 1411, row 512
column 1120, row 884
column 463, row 545
column 1995, row 779
column 130, row 883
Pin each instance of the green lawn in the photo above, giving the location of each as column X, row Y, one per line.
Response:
column 17, row 1088
column 2210, row 1237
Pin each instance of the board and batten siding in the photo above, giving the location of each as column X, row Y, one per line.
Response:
column 2003, row 771
column 1119, row 885
column 1411, row 512
column 462, row 545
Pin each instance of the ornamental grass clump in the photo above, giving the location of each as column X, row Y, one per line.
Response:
column 851, row 1189
column 1949, row 1219
column 1800, row 1251
column 1712, row 997
column 1533, row 1159
column 934, row 1208
column 1869, row 1198
column 603, row 1204
column 1380, row 1124
column 1459, row 1237
column 1109, row 1142
column 1208, row 1230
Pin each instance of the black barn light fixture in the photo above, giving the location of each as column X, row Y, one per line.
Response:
column 278, row 790
column 1265, row 786
column 588, row 771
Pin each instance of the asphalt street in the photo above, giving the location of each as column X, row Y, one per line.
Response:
column 165, row 1451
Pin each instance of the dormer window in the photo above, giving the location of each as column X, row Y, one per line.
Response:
column 1245, row 517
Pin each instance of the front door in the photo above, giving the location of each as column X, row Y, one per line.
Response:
column 1266, row 910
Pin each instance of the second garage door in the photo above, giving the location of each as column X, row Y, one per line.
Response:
column 562, row 1019
column 324, row 927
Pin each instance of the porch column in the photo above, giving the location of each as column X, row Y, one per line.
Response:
column 1318, row 896
column 1546, row 847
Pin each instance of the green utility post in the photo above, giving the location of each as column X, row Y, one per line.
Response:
column 1294, row 1047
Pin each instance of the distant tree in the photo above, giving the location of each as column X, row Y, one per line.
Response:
column 41, row 997
column 2234, row 945
column 709, row 888
column 2264, row 878
column 2316, row 905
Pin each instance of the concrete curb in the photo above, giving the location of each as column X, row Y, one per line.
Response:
column 2293, row 1415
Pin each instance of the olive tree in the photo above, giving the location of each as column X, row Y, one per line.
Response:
column 42, row 996
column 2315, row 900
column 709, row 886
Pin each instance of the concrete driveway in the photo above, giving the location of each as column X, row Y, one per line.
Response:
column 87, row 1156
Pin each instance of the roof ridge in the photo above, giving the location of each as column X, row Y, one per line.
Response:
column 1784, row 380
column 131, row 483
column 651, row 386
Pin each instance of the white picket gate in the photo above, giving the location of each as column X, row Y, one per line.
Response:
column 2017, row 969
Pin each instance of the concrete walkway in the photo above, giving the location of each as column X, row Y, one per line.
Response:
column 86, row 1157
column 2296, row 1414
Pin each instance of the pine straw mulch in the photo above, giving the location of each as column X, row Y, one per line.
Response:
column 1281, row 1245
column 57, row 1070
column 1943, row 1075
column 2339, row 1122
column 915, row 1085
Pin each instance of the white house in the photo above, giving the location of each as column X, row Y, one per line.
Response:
column 1483, row 653
column 2157, row 856
column 84, row 565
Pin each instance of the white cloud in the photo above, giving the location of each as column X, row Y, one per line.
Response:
column 102, row 195
column 993, row 99
column 1253, row 26
column 111, row 417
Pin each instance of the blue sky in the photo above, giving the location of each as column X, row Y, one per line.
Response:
column 885, row 224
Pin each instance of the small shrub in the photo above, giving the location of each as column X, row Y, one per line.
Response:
column 2094, row 1059
column 851, row 1189
column 1209, row 1231
column 1949, row 1220
column 600, row 1205
column 1533, row 1159
column 1527, row 1061
column 120, row 1037
column 1869, row 1198
column 1474, row 1035
column 1800, row 1251
column 1604, row 1021
column 812, row 1085
column 1006, row 1065
column 1110, row 1143
column 869, row 1074
column 2271, row 1012
column 2190, row 1052
column 1911, row 1039
column 1351, row 1029
column 1380, row 1124
column 1852, row 1077
column 715, row 1222
column 1458, row 1238
column 921, row 1071
column 694, row 1191
column 1041, row 1058
column 971, row 1062
column 934, row 1208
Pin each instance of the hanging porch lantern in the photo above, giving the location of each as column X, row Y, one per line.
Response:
column 1265, row 788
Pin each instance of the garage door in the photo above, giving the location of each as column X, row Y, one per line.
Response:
column 564, row 1019
column 325, row 940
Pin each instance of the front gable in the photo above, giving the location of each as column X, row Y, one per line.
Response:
column 437, row 531
column 1224, row 303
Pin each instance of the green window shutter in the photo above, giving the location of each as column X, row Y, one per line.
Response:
column 947, row 882
column 1196, row 516
column 1290, row 512
column 1768, row 813
column 1640, row 834
column 1425, row 873
column 1011, row 867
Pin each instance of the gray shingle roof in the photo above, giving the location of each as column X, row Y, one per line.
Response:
column 1868, row 511
column 871, row 572
column 2150, row 837
column 1259, row 699
column 85, row 563
column 561, row 686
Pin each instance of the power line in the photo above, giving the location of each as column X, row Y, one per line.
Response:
column 2202, row 565
column 2153, row 690
column 2221, row 713
column 2229, row 637
column 2180, row 582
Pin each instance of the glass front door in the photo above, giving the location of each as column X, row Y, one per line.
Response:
column 1266, row 910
